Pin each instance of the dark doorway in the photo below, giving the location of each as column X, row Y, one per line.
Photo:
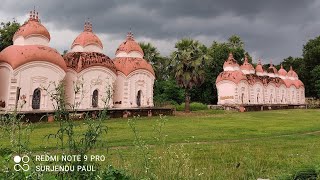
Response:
column 139, row 98
column 242, row 95
column 36, row 98
column 95, row 95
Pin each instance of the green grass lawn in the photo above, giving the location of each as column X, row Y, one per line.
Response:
column 207, row 144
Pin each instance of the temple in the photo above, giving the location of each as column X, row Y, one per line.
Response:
column 30, row 70
column 238, row 85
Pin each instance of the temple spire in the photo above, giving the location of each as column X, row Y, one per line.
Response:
column 34, row 15
column 87, row 26
column 130, row 35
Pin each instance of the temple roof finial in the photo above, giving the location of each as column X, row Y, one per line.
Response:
column 130, row 35
column 88, row 26
column 34, row 15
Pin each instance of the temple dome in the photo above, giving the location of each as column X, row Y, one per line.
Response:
column 32, row 27
column 292, row 74
column 129, row 45
column 16, row 55
column 282, row 72
column 126, row 65
column 246, row 67
column 259, row 68
column 87, row 37
column 230, row 64
column 234, row 76
column 272, row 71
column 79, row 61
column 126, row 62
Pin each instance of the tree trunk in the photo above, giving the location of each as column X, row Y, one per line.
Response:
column 187, row 101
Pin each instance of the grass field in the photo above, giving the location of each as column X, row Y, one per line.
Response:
column 207, row 144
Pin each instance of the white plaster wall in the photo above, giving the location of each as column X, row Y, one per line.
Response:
column 19, row 40
column 93, row 78
column 5, row 76
column 243, row 92
column 36, row 40
column 292, row 95
column 258, row 93
column 141, row 80
column 70, row 81
column 127, row 88
column 302, row 95
column 271, row 94
column 120, row 89
column 228, row 68
column 35, row 75
column 77, row 48
column 134, row 54
column 245, row 71
column 226, row 92
column 92, row 48
column 32, row 40
column 282, row 94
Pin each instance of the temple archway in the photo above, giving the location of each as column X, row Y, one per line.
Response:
column 36, row 98
column 95, row 98
column 139, row 98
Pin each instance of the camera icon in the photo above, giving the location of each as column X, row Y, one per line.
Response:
column 24, row 160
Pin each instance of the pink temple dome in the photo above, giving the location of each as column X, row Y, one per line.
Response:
column 282, row 72
column 126, row 65
column 246, row 65
column 87, row 37
column 129, row 45
column 16, row 55
column 292, row 73
column 259, row 67
column 230, row 62
column 32, row 27
column 234, row 76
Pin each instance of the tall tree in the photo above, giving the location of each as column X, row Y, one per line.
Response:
column 7, row 31
column 190, row 60
column 311, row 56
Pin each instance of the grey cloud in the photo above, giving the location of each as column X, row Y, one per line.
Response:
column 274, row 29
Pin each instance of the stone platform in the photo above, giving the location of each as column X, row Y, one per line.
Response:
column 263, row 107
column 42, row 115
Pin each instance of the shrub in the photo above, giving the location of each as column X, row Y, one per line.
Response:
column 194, row 106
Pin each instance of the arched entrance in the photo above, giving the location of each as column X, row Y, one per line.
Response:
column 95, row 99
column 139, row 98
column 36, row 97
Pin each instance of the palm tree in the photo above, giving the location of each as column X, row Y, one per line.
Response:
column 189, row 60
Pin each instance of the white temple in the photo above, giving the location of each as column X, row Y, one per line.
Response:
column 91, row 79
column 248, row 85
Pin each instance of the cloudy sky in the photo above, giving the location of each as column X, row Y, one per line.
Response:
column 273, row 29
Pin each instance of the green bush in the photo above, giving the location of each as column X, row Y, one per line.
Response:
column 194, row 106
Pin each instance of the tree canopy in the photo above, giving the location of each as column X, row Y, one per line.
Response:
column 189, row 61
column 7, row 31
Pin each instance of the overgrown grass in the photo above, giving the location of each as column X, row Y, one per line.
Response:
column 194, row 106
column 207, row 144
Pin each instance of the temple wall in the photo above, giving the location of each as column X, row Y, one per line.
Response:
column 226, row 92
column 132, row 54
column 5, row 76
column 31, row 76
column 128, row 87
column 96, row 78
column 88, row 48
column 32, row 40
